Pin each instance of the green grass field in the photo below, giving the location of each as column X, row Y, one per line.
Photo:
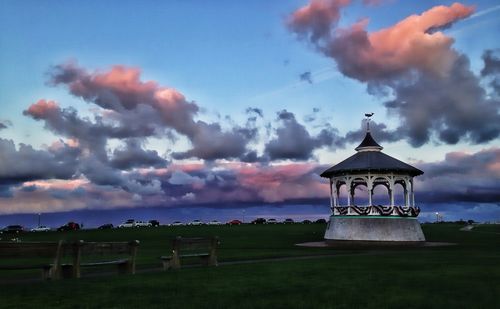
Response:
column 463, row 276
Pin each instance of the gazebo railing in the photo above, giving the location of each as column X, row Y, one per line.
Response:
column 376, row 210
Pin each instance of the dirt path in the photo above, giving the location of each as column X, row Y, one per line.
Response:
column 159, row 269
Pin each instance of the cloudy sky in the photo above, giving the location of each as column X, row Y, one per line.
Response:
column 132, row 104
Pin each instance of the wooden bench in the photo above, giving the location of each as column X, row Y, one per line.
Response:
column 53, row 250
column 204, row 248
column 96, row 250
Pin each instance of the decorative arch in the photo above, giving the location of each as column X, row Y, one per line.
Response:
column 399, row 193
column 361, row 194
column 381, row 194
column 342, row 193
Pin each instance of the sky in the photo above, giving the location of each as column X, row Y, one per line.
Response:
column 200, row 109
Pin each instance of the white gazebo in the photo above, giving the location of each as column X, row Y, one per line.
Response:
column 368, row 168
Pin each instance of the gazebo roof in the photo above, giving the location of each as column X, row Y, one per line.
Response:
column 369, row 158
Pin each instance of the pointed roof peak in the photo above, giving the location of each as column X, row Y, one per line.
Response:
column 369, row 144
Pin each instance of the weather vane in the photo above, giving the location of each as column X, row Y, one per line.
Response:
column 368, row 116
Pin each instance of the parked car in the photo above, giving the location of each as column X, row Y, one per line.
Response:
column 106, row 226
column 154, row 223
column 259, row 221
column 306, row 222
column 13, row 229
column 234, row 222
column 176, row 223
column 195, row 222
column 288, row 221
column 142, row 224
column 128, row 223
column 322, row 221
column 70, row 226
column 41, row 228
column 214, row 222
column 271, row 221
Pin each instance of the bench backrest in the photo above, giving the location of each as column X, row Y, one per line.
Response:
column 104, row 248
column 27, row 249
column 52, row 250
column 103, row 252
column 195, row 244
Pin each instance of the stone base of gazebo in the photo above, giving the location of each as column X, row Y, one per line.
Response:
column 373, row 228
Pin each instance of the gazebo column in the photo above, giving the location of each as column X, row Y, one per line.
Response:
column 332, row 204
column 338, row 196
column 348, row 187
column 391, row 191
column 369, row 184
column 334, row 193
column 351, row 192
column 407, row 192
column 412, row 193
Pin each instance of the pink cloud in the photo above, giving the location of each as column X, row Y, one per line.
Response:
column 148, row 108
column 415, row 42
column 58, row 184
column 42, row 108
column 411, row 43
column 317, row 18
column 120, row 89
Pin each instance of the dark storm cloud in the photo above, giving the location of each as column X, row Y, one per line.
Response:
column 62, row 194
column 454, row 108
column 6, row 191
column 306, row 77
column 461, row 177
column 210, row 142
column 27, row 164
column 491, row 69
column 378, row 130
column 133, row 155
column 293, row 141
column 2, row 126
column 93, row 135
column 102, row 174
column 491, row 60
column 256, row 111
column 485, row 163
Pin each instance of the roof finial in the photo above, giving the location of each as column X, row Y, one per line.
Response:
column 368, row 121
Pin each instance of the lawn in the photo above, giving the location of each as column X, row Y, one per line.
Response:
column 463, row 276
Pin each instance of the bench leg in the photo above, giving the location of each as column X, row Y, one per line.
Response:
column 208, row 260
column 175, row 263
column 67, row 271
column 52, row 273
column 126, row 268
column 204, row 260
column 45, row 273
column 123, row 268
column 166, row 264
column 212, row 260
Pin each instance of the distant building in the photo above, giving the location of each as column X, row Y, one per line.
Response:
column 369, row 167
